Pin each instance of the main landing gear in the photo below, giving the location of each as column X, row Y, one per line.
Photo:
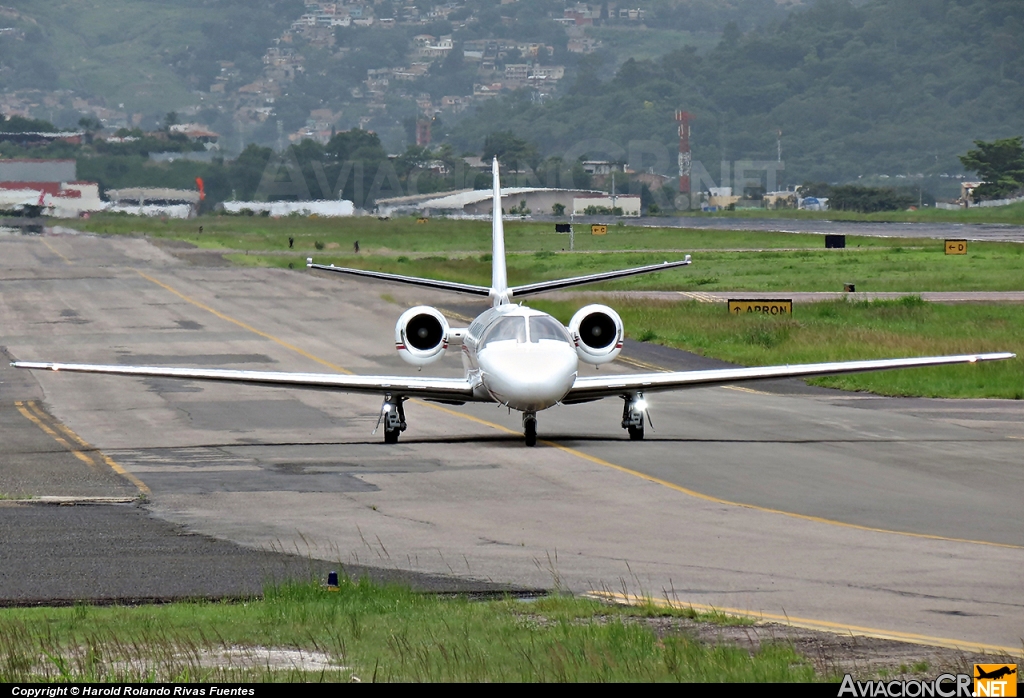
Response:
column 392, row 414
column 530, row 428
column 633, row 409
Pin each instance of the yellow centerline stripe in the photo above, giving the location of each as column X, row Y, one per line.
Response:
column 111, row 463
column 244, row 326
column 769, row 510
column 54, row 250
column 809, row 624
column 470, row 417
column 745, row 390
column 56, row 437
column 594, row 459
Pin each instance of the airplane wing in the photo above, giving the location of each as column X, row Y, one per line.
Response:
column 542, row 286
column 593, row 387
column 443, row 389
column 398, row 278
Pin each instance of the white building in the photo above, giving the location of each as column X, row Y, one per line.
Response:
column 629, row 204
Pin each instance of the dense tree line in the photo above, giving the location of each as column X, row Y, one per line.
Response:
column 887, row 86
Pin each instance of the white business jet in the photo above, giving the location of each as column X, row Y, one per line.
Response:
column 515, row 356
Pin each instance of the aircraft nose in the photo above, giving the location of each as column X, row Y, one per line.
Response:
column 529, row 377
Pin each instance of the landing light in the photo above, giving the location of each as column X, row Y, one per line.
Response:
column 640, row 404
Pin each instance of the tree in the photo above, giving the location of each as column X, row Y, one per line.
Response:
column 509, row 149
column 19, row 124
column 91, row 125
column 1000, row 164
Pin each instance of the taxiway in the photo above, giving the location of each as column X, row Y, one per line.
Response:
column 869, row 515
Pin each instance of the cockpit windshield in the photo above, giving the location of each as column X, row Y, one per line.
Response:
column 543, row 327
column 514, row 329
column 506, row 329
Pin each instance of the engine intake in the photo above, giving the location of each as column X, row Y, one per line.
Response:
column 597, row 331
column 421, row 335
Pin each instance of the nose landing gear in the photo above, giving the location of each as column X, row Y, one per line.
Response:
column 633, row 409
column 530, row 428
column 392, row 414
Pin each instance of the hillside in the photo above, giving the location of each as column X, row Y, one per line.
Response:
column 280, row 71
column 894, row 87
column 146, row 55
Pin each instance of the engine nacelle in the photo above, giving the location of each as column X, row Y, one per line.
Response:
column 597, row 331
column 421, row 335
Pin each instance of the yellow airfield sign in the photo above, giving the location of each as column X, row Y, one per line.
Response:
column 598, row 229
column 956, row 247
column 762, row 306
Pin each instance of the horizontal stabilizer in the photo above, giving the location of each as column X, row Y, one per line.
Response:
column 542, row 286
column 398, row 278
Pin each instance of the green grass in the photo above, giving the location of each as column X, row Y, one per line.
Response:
column 988, row 267
column 405, row 236
column 723, row 260
column 1009, row 215
column 374, row 633
column 731, row 261
column 845, row 331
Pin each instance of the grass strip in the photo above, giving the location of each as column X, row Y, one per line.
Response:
column 405, row 236
column 990, row 267
column 1007, row 215
column 845, row 330
column 371, row 632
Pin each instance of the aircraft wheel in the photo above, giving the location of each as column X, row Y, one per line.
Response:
column 636, row 433
column 530, row 430
column 391, row 437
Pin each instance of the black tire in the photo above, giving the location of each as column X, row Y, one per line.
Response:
column 531, row 433
column 391, row 437
column 636, row 433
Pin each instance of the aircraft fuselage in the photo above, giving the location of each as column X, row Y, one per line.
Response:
column 520, row 357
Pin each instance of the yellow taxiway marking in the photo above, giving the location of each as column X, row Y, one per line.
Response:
column 56, row 437
column 244, row 326
column 35, row 414
column 642, row 364
column 701, row 297
column 810, row 624
column 768, row 510
column 662, row 369
column 745, row 390
column 585, row 456
column 54, row 250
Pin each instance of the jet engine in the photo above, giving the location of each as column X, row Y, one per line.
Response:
column 421, row 335
column 597, row 331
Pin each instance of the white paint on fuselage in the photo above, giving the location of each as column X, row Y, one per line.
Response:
column 525, row 375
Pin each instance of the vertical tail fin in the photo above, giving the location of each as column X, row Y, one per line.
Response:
column 499, row 278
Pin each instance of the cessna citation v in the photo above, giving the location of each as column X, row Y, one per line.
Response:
column 515, row 356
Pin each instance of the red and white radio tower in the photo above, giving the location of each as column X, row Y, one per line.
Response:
column 685, row 158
